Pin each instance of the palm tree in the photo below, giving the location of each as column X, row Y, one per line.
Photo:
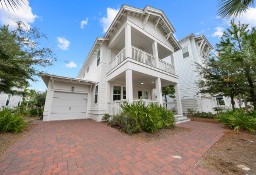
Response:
column 232, row 8
column 168, row 91
column 14, row 4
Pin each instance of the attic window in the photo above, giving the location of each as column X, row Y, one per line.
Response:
column 185, row 52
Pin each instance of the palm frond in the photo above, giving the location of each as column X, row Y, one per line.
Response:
column 14, row 4
column 232, row 8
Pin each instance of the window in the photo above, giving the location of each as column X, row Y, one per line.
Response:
column 8, row 100
column 139, row 94
column 185, row 52
column 88, row 68
column 142, row 95
column 96, row 94
column 124, row 93
column 220, row 100
column 98, row 58
column 117, row 93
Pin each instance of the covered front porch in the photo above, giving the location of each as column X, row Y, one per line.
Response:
column 132, row 86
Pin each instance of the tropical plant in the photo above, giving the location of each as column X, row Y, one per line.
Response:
column 14, row 4
column 168, row 91
column 10, row 121
column 239, row 119
column 232, row 8
column 136, row 117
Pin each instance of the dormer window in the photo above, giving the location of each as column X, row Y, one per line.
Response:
column 98, row 58
column 185, row 52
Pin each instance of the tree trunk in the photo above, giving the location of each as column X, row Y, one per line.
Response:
column 232, row 102
column 165, row 96
column 252, row 91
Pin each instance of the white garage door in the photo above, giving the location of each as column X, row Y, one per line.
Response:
column 66, row 106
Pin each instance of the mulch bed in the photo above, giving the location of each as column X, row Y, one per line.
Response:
column 208, row 120
column 9, row 139
column 159, row 135
column 232, row 150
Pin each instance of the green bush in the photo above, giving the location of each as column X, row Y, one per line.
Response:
column 136, row 117
column 106, row 118
column 11, row 121
column 239, row 119
column 195, row 113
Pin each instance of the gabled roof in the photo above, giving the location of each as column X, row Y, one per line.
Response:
column 160, row 19
column 197, row 38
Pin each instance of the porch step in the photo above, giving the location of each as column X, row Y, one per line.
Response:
column 181, row 119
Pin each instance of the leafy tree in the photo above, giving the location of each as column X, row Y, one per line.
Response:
column 218, row 79
column 168, row 91
column 21, row 57
column 233, row 7
column 237, row 47
column 232, row 71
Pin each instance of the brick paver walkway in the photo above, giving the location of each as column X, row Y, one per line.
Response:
column 88, row 147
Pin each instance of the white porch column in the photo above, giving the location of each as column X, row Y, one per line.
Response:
column 159, row 91
column 155, row 52
column 178, row 100
column 128, row 41
column 129, row 86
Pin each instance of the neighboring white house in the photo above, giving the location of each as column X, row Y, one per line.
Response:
column 133, row 61
column 195, row 49
column 8, row 100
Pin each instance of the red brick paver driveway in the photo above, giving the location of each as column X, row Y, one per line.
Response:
column 88, row 147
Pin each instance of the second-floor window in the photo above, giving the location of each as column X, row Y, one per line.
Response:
column 98, row 58
column 185, row 52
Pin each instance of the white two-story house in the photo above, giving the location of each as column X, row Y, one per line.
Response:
column 195, row 51
column 132, row 62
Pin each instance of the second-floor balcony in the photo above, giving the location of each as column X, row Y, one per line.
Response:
column 143, row 57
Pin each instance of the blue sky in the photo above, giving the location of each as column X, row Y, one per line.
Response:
column 72, row 26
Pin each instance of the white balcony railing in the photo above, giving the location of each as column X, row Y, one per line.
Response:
column 142, row 57
column 119, row 58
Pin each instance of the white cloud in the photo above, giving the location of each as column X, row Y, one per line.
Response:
column 106, row 21
column 23, row 13
column 63, row 43
column 83, row 23
column 219, row 32
column 71, row 64
column 249, row 17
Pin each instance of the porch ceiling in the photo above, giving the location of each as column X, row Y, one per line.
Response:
column 140, row 79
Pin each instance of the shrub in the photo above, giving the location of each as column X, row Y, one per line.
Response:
column 195, row 113
column 11, row 121
column 106, row 117
column 125, row 122
column 136, row 117
column 239, row 119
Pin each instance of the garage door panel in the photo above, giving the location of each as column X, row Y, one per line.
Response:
column 66, row 106
column 71, row 102
column 65, row 116
column 68, row 109
column 65, row 95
